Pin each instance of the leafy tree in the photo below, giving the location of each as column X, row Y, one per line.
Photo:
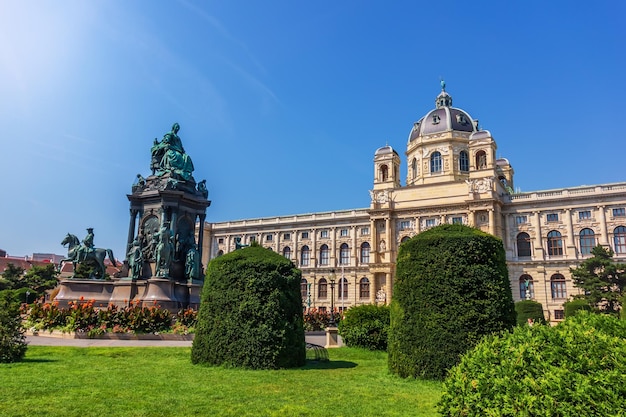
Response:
column 12, row 340
column 451, row 289
column 602, row 281
column 41, row 277
column 251, row 312
column 12, row 275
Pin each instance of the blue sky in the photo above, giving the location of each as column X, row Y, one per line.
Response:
column 282, row 104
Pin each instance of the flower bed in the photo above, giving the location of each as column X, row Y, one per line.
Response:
column 82, row 318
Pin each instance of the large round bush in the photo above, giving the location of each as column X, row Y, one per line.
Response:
column 365, row 326
column 451, row 289
column 251, row 312
column 529, row 309
column 577, row 368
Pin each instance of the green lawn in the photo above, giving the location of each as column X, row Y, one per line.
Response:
column 65, row 381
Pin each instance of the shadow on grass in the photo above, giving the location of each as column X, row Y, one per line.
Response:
column 37, row 360
column 313, row 365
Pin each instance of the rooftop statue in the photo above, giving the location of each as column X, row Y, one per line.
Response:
column 169, row 157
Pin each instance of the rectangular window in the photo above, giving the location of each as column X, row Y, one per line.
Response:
column 457, row 220
column 324, row 234
column 619, row 212
column 220, row 240
column 322, row 309
column 552, row 217
column 431, row 222
column 268, row 238
column 405, row 224
column 559, row 315
column 584, row 215
column 305, row 235
column 287, row 236
column 365, row 231
column 343, row 232
column 521, row 219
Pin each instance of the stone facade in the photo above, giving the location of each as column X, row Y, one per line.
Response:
column 453, row 177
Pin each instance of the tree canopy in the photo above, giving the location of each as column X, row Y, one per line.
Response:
column 601, row 279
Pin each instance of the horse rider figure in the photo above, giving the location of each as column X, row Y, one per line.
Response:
column 86, row 246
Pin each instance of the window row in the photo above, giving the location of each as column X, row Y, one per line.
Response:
column 340, row 286
column 324, row 254
column 586, row 239
column 557, row 287
column 436, row 162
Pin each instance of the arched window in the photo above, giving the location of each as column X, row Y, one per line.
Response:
column 414, row 168
column 324, row 255
column 305, row 256
column 463, row 161
column 365, row 253
column 587, row 241
column 343, row 288
column 555, row 244
column 322, row 289
column 557, row 285
column 619, row 239
column 364, row 288
column 287, row 252
column 344, row 254
column 481, row 160
column 304, row 288
column 404, row 239
column 384, row 172
column 435, row 162
column 220, row 252
column 526, row 293
column 523, row 245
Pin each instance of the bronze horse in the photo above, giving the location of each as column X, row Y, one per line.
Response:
column 97, row 255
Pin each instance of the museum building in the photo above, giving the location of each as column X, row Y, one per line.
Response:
column 453, row 176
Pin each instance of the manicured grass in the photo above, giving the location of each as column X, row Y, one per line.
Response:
column 66, row 381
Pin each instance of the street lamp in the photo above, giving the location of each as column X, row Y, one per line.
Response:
column 308, row 301
column 332, row 299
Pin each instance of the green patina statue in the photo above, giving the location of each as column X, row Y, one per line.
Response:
column 169, row 157
column 86, row 253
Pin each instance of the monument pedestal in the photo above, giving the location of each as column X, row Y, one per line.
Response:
column 332, row 337
column 84, row 290
column 195, row 292
column 160, row 292
column 123, row 293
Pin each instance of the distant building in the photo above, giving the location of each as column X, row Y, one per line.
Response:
column 453, row 177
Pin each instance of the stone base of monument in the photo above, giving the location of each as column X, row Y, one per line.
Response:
column 124, row 291
column 195, row 291
column 84, row 290
column 160, row 292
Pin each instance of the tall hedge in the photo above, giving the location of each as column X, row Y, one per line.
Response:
column 12, row 341
column 572, row 307
column 529, row 309
column 451, row 288
column 576, row 368
column 251, row 312
column 365, row 326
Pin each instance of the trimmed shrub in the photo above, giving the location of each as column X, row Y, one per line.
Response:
column 451, row 289
column 365, row 326
column 12, row 341
column 529, row 309
column 573, row 306
column 251, row 312
column 574, row 369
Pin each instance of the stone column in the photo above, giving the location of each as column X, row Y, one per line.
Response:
column 201, row 235
column 388, row 287
column 492, row 222
column 604, row 235
column 536, row 223
column 355, row 250
column 333, row 248
column 131, row 229
column 373, row 287
column 571, row 245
